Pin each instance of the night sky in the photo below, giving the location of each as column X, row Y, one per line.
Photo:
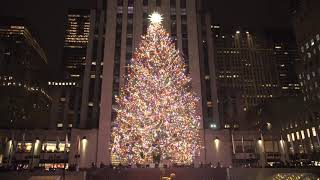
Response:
column 48, row 17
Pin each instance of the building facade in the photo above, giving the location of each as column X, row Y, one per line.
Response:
column 24, row 94
column 231, row 70
column 302, row 131
column 246, row 68
column 305, row 18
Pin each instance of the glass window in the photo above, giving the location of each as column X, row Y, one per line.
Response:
column 292, row 136
column 302, row 134
column 308, row 132
column 298, row 135
column 289, row 138
column 183, row 4
column 172, row 3
column 318, row 37
column 312, row 42
column 302, row 49
column 130, row 3
column 307, row 46
column 309, row 55
column 120, row 2
column 145, row 2
column 314, row 133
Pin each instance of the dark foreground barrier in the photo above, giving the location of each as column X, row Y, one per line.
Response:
column 156, row 174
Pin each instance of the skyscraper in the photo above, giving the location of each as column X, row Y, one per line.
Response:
column 307, row 28
column 24, row 96
column 246, row 68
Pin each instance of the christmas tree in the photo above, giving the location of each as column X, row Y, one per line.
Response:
column 156, row 110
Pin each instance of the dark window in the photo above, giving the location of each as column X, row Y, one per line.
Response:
column 158, row 2
column 183, row 4
column 130, row 3
column 120, row 3
column 173, row 3
column 145, row 2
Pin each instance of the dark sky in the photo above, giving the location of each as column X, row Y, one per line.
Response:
column 263, row 13
column 47, row 18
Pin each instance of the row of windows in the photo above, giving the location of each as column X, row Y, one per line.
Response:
column 183, row 3
column 312, row 42
column 61, row 83
column 301, row 134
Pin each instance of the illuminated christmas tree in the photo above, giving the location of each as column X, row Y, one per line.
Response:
column 156, row 110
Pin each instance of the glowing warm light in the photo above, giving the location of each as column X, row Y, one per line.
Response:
column 155, row 18
column 84, row 143
column 156, row 118
column 213, row 125
column 216, row 143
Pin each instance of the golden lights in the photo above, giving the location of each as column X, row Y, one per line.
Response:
column 156, row 111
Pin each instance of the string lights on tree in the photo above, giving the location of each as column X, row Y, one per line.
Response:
column 156, row 109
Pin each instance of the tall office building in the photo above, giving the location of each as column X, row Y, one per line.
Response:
column 78, row 94
column 302, row 131
column 245, row 69
column 67, row 92
column 24, row 97
column 307, row 28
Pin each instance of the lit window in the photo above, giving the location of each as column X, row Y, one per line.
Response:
column 318, row 37
column 49, row 83
column 313, row 74
column 308, row 132
column 292, row 136
column 59, row 125
column 70, row 125
column 90, row 104
column 314, row 133
column 62, row 99
column 307, row 46
column 302, row 49
column 289, row 138
column 312, row 42
column 298, row 135
column 308, row 76
column 309, row 55
column 302, row 134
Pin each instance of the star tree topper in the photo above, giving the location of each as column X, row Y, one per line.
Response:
column 155, row 18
